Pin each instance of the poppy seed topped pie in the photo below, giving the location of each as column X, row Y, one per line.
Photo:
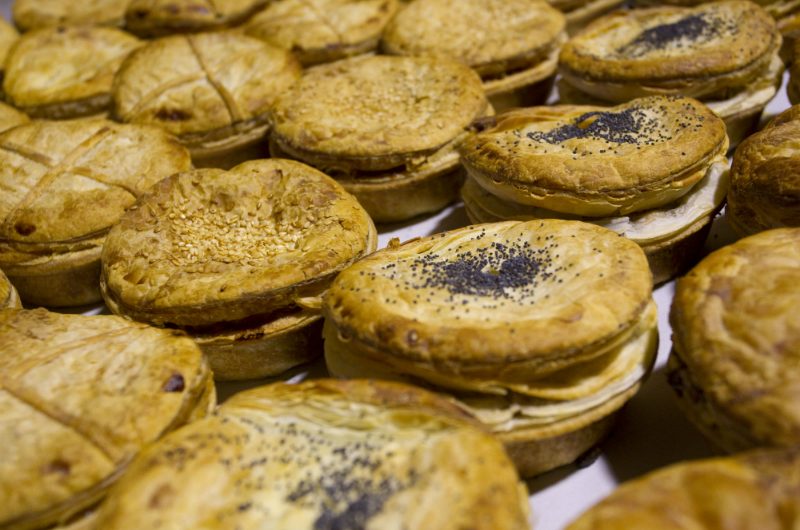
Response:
column 652, row 169
column 386, row 127
column 153, row 18
column 238, row 258
column 543, row 329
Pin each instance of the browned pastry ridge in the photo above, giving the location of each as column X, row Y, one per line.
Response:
column 543, row 329
column 237, row 258
column 736, row 342
column 33, row 14
column 79, row 397
column 63, row 184
column 153, row 18
column 323, row 454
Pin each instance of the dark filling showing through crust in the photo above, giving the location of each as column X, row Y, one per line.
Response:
column 686, row 32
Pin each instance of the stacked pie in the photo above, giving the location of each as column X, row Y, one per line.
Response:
column 653, row 170
column 79, row 397
column 387, row 128
column 512, row 44
column 326, row 455
column 542, row 329
column 238, row 259
column 722, row 53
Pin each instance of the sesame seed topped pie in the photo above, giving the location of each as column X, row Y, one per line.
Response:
column 386, row 127
column 543, row 329
column 323, row 455
column 63, row 185
column 725, row 53
column 211, row 90
column 152, row 18
column 79, row 397
column 653, row 170
column 328, row 31
column 65, row 72
column 237, row 258
column 33, row 14
column 512, row 44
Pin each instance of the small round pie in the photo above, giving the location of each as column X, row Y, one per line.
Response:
column 653, row 170
column 63, row 185
column 736, row 342
column 765, row 178
column 323, row 454
column 65, row 72
column 722, row 53
column 153, row 18
column 321, row 31
column 386, row 127
column 211, row 90
column 9, row 298
column 238, row 259
column 79, row 397
column 33, row 14
column 512, row 44
column 542, row 329
column 750, row 491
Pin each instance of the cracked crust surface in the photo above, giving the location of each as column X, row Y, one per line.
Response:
column 597, row 161
column 79, row 396
column 67, row 72
column 324, row 454
column 152, row 18
column 735, row 330
column 33, row 14
column 211, row 90
column 378, row 112
column 318, row 31
column 222, row 246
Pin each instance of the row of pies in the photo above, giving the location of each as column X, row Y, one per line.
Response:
column 533, row 335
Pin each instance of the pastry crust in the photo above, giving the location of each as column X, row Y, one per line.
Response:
column 324, row 454
column 8, row 36
column 64, row 184
column 9, row 298
column 596, row 161
column 765, row 178
column 33, row 14
column 736, row 341
column 154, row 18
column 751, row 491
column 321, row 31
column 80, row 396
column 708, row 52
column 376, row 113
column 65, row 72
column 211, row 90
column 11, row 117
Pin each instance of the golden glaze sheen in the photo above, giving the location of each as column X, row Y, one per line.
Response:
column 323, row 454
column 211, row 90
column 736, row 340
column 376, row 113
column 161, row 17
column 765, row 178
column 596, row 161
column 79, row 397
column 707, row 52
column 32, row 14
column 63, row 185
column 751, row 491
column 318, row 31
column 59, row 72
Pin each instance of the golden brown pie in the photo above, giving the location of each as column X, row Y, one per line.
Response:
column 153, row 18
column 750, row 491
column 543, row 329
column 736, row 342
column 79, row 397
column 323, row 454
column 321, row 31
column 386, row 127
column 211, row 90
column 33, row 14
column 238, row 259
column 63, row 185
column 679, row 50
column 512, row 44
column 653, row 170
column 65, row 72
